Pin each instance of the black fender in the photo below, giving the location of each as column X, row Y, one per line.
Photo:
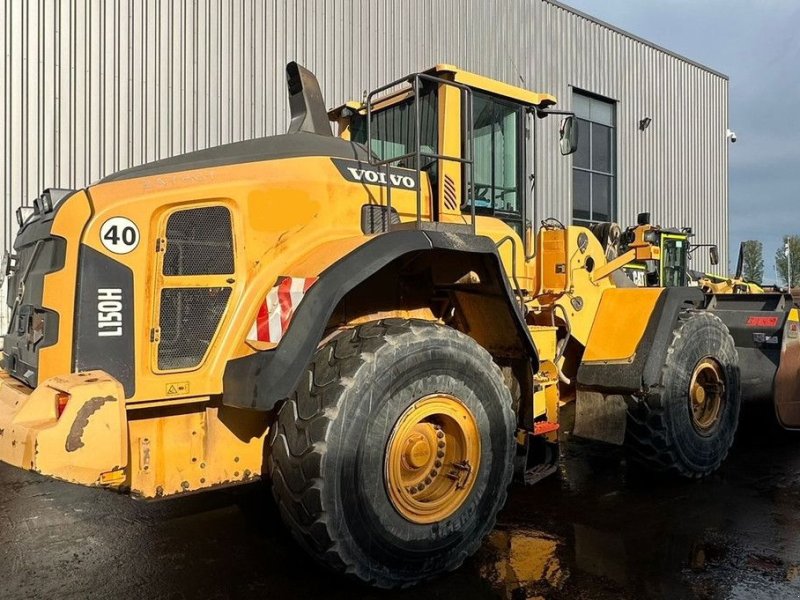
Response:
column 260, row 380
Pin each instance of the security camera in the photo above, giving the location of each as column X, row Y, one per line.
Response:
column 731, row 135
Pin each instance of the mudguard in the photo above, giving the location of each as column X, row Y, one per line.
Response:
column 644, row 369
column 260, row 380
column 606, row 383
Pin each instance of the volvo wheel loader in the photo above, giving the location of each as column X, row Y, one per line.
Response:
column 367, row 321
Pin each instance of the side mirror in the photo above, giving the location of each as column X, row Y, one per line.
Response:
column 568, row 135
column 713, row 253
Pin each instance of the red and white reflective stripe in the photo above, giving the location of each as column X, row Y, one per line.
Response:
column 278, row 309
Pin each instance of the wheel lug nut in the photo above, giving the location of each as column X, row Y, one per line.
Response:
column 438, row 463
column 434, row 473
column 441, row 444
column 440, row 434
column 428, row 481
column 440, row 454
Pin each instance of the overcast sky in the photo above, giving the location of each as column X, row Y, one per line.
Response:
column 757, row 44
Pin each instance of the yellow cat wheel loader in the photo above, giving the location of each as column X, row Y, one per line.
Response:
column 672, row 268
column 675, row 251
column 719, row 284
column 368, row 321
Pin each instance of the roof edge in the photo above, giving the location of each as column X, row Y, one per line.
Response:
column 642, row 40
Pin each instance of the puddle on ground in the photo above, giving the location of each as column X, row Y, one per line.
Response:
column 600, row 530
column 521, row 563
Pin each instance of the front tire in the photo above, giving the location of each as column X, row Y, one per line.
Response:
column 392, row 459
column 687, row 424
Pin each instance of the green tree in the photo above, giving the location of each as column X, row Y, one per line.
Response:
column 782, row 260
column 753, row 261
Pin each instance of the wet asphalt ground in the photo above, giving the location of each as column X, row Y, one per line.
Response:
column 597, row 529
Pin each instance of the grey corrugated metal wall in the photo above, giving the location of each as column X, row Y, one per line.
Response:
column 93, row 86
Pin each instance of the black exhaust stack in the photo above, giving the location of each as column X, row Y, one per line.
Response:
column 306, row 102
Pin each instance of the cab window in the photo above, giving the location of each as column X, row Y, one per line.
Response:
column 673, row 262
column 393, row 130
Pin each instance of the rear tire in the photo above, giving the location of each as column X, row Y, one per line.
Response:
column 331, row 451
column 682, row 426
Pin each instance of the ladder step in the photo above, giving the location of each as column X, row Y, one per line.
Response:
column 543, row 427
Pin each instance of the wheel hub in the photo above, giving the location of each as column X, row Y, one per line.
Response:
column 432, row 459
column 706, row 394
column 418, row 451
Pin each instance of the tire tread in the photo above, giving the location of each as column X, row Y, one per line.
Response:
column 298, row 447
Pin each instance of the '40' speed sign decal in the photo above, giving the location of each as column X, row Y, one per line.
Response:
column 119, row 235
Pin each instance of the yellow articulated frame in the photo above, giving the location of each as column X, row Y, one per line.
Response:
column 546, row 397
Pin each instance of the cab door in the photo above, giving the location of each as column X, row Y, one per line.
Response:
column 674, row 250
column 498, row 162
column 497, row 185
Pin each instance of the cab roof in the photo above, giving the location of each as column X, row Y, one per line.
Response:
column 492, row 86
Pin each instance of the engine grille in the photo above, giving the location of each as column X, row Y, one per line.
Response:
column 199, row 242
column 188, row 320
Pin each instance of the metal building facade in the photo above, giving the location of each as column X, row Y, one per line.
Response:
column 93, row 86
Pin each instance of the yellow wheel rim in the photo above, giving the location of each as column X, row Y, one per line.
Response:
column 432, row 459
column 706, row 394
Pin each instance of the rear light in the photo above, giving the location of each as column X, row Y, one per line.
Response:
column 62, row 398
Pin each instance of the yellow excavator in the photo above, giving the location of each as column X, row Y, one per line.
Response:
column 369, row 322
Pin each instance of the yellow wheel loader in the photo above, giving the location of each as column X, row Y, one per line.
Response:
column 368, row 321
column 672, row 268
column 718, row 284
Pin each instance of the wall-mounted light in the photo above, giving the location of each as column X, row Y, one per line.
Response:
column 645, row 123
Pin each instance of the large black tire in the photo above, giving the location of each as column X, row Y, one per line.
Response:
column 661, row 432
column 327, row 450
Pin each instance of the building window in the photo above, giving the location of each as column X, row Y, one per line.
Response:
column 594, row 165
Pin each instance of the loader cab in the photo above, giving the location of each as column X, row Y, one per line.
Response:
column 670, row 270
column 476, row 140
column 674, row 259
column 672, row 267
